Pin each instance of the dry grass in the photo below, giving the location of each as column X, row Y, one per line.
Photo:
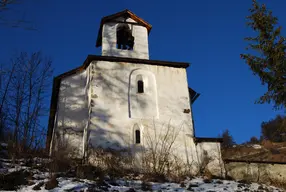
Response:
column 279, row 184
column 269, row 152
column 117, row 163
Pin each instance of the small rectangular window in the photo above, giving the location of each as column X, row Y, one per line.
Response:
column 140, row 85
column 137, row 136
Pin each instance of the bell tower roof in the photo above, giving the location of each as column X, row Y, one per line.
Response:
column 125, row 14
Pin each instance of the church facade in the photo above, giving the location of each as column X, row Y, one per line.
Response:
column 123, row 100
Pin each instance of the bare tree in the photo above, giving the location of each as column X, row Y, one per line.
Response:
column 4, row 86
column 159, row 152
column 24, row 98
column 7, row 9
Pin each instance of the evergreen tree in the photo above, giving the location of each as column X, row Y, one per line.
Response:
column 269, row 62
column 253, row 140
column 227, row 139
column 275, row 129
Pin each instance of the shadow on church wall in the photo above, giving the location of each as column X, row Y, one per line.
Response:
column 109, row 125
column 109, row 44
column 109, row 106
column 107, row 116
column 72, row 114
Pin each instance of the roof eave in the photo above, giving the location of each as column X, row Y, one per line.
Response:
column 208, row 140
column 91, row 58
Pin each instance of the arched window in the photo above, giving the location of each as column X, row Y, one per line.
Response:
column 140, row 86
column 142, row 95
column 137, row 136
column 125, row 40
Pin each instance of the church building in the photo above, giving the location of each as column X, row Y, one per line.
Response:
column 121, row 99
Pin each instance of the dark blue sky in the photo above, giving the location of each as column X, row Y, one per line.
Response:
column 208, row 34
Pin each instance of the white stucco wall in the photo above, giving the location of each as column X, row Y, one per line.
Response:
column 72, row 114
column 109, row 39
column 118, row 110
column 112, row 121
column 257, row 172
column 100, row 107
column 146, row 104
column 211, row 152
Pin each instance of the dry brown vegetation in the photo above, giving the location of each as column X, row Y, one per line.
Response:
column 269, row 151
column 156, row 163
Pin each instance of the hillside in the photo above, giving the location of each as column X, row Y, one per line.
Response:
column 265, row 151
column 39, row 174
column 33, row 175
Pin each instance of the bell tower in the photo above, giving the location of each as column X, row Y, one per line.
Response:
column 124, row 34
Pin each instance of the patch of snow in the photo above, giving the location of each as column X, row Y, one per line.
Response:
column 68, row 184
column 41, row 175
column 41, row 160
column 4, row 144
column 123, row 185
column 197, row 184
column 5, row 160
column 256, row 146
